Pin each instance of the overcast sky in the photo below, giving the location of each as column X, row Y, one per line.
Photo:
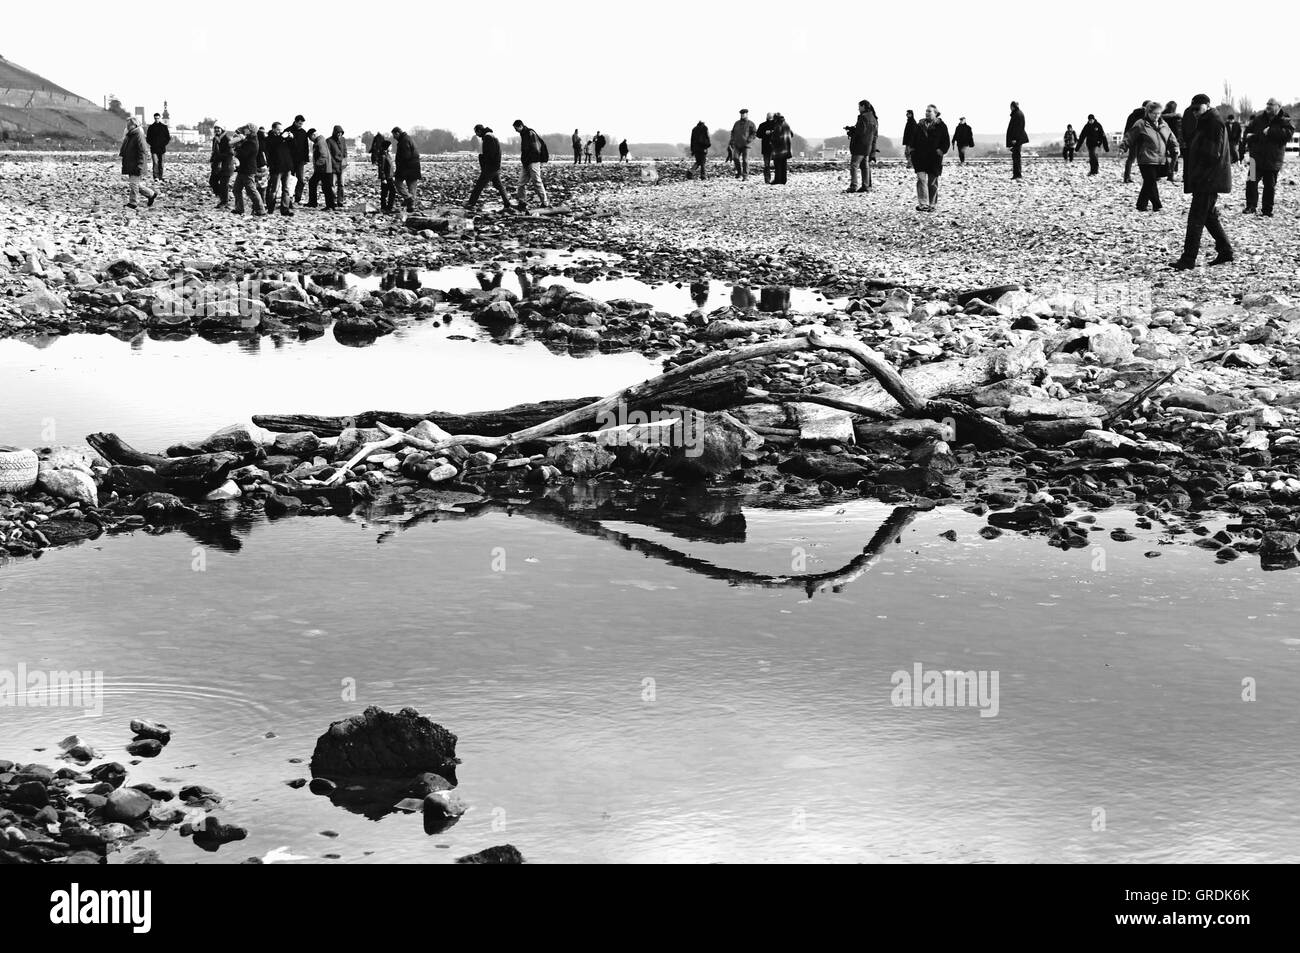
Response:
column 649, row 71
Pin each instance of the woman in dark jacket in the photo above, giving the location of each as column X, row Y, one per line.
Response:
column 863, row 135
column 407, row 159
column 1152, row 145
column 782, row 145
column 909, row 132
column 930, row 143
column 764, row 136
column 700, row 144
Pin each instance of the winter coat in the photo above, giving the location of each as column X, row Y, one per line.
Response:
column 407, row 158
column 158, row 136
column 279, row 153
column 742, row 134
column 599, row 142
column 338, row 147
column 1208, row 160
column 930, row 143
column 1016, row 129
column 700, row 141
column 962, row 136
column 222, row 159
column 261, row 151
column 1070, row 140
column 1093, row 136
column 577, row 142
column 909, row 131
column 764, row 135
column 134, row 152
column 1268, row 137
column 865, row 132
column 530, row 146
column 622, row 148
column 1175, row 124
column 322, row 158
column 301, row 147
column 782, row 138
column 489, row 159
column 1151, row 143
column 246, row 155
column 385, row 164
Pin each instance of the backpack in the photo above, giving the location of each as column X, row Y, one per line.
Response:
column 543, row 150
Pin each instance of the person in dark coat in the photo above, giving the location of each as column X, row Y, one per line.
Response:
column 533, row 154
column 743, row 132
column 1174, row 120
column 863, row 135
column 782, row 147
column 963, row 139
column 158, row 136
column 1268, row 135
column 301, row 157
column 700, row 144
column 489, row 168
column 930, row 143
column 909, row 129
column 622, row 152
column 1093, row 137
column 1207, row 175
column 764, row 136
column 322, row 176
column 406, row 158
column 134, row 150
column 577, row 148
column 338, row 147
column 1152, row 144
column 1068, row 142
column 221, row 165
column 1234, row 137
column 599, row 144
column 1016, row 138
column 381, row 156
column 245, row 147
column 260, row 178
column 279, row 166
column 1133, row 117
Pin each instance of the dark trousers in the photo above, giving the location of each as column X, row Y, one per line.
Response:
column 246, row 185
column 741, row 159
column 1128, row 167
column 577, row 157
column 779, row 170
column 1150, row 194
column 597, row 155
column 961, row 155
column 1067, row 154
column 1173, row 167
column 338, row 187
column 219, row 182
column 767, row 166
column 486, row 178
column 1202, row 214
column 300, row 174
column 1094, row 165
column 157, row 165
column 277, row 181
column 1269, row 180
column 387, row 193
column 700, row 158
column 325, row 181
column 1015, row 161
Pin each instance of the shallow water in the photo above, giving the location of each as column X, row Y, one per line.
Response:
column 771, row 734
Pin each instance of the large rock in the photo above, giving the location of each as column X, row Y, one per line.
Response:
column 722, row 328
column 74, row 485
column 127, row 804
column 501, row 854
column 712, row 444
column 1111, row 344
column 580, row 458
column 379, row 743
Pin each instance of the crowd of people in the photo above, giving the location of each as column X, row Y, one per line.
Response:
column 1156, row 139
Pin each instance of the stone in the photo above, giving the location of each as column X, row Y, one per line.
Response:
column 441, row 805
column 722, row 328
column 72, row 485
column 839, row 469
column 303, row 444
column 711, row 444
column 498, row 312
column 127, row 804
column 1111, row 344
column 383, row 743
column 145, row 748
column 426, row 783
column 502, row 854
column 1279, row 543
column 579, row 458
column 279, row 505
column 236, row 438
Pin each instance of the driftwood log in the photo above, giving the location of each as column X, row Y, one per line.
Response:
column 183, row 474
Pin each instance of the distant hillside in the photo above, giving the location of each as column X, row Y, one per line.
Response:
column 33, row 107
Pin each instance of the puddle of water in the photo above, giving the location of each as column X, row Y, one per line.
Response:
column 154, row 393
column 616, row 704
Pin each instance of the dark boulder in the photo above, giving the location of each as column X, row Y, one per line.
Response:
column 386, row 744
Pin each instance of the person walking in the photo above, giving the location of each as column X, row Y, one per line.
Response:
column 301, row 157
column 381, row 154
column 158, row 135
column 930, row 143
column 622, row 152
column 863, row 135
column 489, row 168
column 1174, row 120
column 1092, row 136
column 782, row 146
column 338, row 147
column 1016, row 138
column 279, row 166
column 586, row 153
column 963, row 139
column 322, row 177
column 743, row 132
column 406, row 161
column 533, row 154
column 577, row 148
column 909, row 131
column 1068, row 142
column 259, row 180
column 221, row 166
column 133, row 151
column 599, row 143
column 245, row 148
column 1234, row 137
column 1268, row 134
column 700, row 143
column 764, row 134
column 1207, row 175
column 1152, row 144
column 1133, row 117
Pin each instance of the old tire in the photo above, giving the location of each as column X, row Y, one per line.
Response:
column 17, row 470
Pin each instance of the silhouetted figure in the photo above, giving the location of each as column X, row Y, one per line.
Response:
column 381, row 154
column 1133, row 117
column 743, row 132
column 930, row 143
column 489, row 168
column 278, row 149
column 245, row 147
column 1174, row 120
column 782, row 146
column 338, row 147
column 221, row 165
column 1068, row 142
column 963, row 139
column 158, row 136
column 322, row 177
column 1234, row 137
column 133, row 151
column 764, row 134
column 406, row 159
column 1092, row 136
column 301, row 157
column 700, row 144
column 532, row 154
column 909, row 131
column 1016, row 138
column 599, row 144
column 862, row 146
column 622, row 152
column 1267, row 135
column 577, row 148
column 1207, row 175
